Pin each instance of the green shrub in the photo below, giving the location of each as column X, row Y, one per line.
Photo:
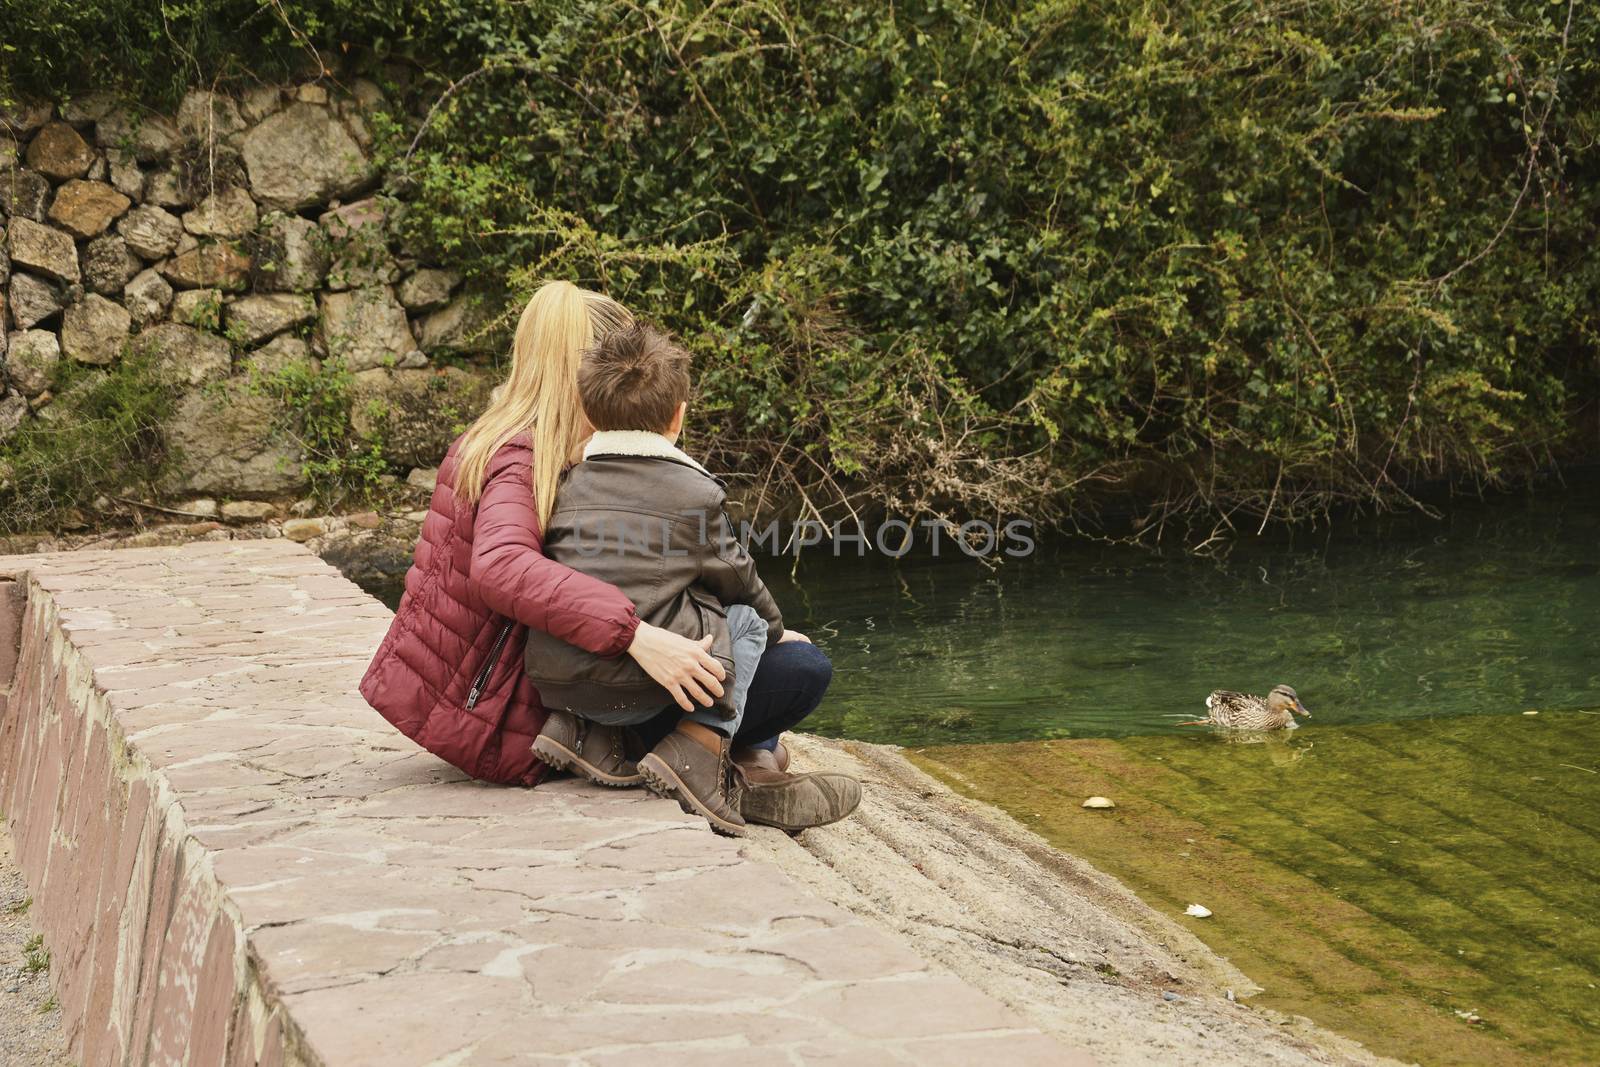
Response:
column 1228, row 261
column 315, row 402
column 1231, row 260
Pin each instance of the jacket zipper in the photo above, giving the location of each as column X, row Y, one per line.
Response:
column 489, row 665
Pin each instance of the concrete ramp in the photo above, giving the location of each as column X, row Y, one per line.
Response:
column 236, row 862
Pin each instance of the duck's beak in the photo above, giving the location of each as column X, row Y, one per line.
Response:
column 1302, row 709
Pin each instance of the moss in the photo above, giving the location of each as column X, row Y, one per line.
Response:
column 1378, row 878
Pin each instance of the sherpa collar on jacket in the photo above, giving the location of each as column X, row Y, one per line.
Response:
column 638, row 443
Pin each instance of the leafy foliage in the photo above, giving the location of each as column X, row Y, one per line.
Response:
column 1241, row 260
column 315, row 402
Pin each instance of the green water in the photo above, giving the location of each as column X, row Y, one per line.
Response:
column 1494, row 610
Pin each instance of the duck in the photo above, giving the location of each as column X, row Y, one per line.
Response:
column 1246, row 711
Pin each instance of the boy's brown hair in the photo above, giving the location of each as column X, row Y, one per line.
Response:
column 633, row 378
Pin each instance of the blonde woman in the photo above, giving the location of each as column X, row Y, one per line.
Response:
column 449, row 673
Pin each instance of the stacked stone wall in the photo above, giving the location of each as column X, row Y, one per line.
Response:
column 232, row 239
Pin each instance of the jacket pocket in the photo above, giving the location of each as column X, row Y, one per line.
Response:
column 481, row 683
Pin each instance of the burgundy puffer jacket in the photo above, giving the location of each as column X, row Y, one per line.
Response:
column 449, row 673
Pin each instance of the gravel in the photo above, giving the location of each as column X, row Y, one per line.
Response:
column 30, row 1021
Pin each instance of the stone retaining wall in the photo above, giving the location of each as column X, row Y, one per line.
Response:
column 232, row 239
column 235, row 861
column 148, row 961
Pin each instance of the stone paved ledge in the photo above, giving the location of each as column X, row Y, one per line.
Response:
column 235, row 861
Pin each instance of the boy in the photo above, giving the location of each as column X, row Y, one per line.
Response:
column 642, row 515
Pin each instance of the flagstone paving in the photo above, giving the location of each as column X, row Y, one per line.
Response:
column 236, row 861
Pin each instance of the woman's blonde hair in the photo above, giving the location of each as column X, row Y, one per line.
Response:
column 540, row 394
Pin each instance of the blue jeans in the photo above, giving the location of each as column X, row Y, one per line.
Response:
column 747, row 633
column 788, row 684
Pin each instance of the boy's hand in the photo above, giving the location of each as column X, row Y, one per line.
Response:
column 793, row 635
column 684, row 668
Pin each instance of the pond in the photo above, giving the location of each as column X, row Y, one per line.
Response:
column 1415, row 867
column 1493, row 610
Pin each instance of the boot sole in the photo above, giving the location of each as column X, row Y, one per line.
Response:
column 663, row 781
column 563, row 758
column 795, row 826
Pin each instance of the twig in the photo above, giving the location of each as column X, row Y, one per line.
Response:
column 1535, row 147
column 1267, row 515
column 295, row 32
column 450, row 91
column 159, row 507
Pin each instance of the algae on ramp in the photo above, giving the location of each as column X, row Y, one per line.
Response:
column 1379, row 879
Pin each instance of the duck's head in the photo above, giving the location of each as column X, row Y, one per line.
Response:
column 1284, row 698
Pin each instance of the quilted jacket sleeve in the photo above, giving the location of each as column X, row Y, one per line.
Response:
column 511, row 574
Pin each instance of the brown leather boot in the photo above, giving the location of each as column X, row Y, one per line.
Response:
column 778, row 756
column 699, row 779
column 770, row 796
column 597, row 752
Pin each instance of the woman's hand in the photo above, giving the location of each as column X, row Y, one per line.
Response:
column 685, row 668
column 793, row 635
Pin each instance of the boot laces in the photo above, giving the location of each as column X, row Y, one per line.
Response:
column 731, row 781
